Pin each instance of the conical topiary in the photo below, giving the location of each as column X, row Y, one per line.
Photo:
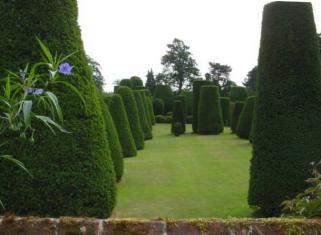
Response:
column 132, row 113
column 73, row 173
column 287, row 136
column 225, row 105
column 236, row 112
column 210, row 119
column 245, row 122
column 118, row 112
column 178, row 117
column 184, row 102
column 151, row 110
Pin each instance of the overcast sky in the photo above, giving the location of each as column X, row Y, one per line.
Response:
column 128, row 37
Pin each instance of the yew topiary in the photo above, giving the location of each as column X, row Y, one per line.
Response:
column 225, row 105
column 236, row 112
column 178, row 118
column 238, row 93
column 244, row 125
column 158, row 105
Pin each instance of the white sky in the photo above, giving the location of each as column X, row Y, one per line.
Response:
column 128, row 37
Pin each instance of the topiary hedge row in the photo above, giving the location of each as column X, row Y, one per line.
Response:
column 210, row 119
column 238, row 93
column 243, row 129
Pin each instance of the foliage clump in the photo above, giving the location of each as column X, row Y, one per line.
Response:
column 165, row 93
column 225, row 105
column 238, row 93
column 158, row 105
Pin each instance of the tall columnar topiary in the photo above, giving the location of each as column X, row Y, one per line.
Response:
column 184, row 102
column 210, row 119
column 72, row 173
column 238, row 93
column 245, row 121
column 142, row 116
column 148, row 115
column 126, row 82
column 118, row 112
column 136, row 82
column 116, row 150
column 189, row 101
column 236, row 112
column 165, row 93
column 132, row 113
column 178, row 116
column 225, row 105
column 158, row 105
column 151, row 110
column 287, row 136
column 197, row 85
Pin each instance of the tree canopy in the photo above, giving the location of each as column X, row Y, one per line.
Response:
column 250, row 81
column 150, row 81
column 97, row 75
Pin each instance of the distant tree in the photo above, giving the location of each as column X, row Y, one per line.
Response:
column 116, row 82
column 150, row 81
column 250, row 81
column 97, row 75
column 219, row 74
column 179, row 66
column 160, row 79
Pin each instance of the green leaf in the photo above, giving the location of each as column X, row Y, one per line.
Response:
column 66, row 57
column 26, row 109
column 45, row 50
column 8, row 88
column 49, row 122
column 53, row 98
column 16, row 162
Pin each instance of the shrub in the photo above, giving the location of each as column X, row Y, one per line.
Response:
column 118, row 112
column 132, row 113
column 165, row 93
column 147, row 111
column 73, row 173
column 184, row 102
column 126, row 82
column 210, row 119
column 245, row 122
column 237, row 110
column 177, row 128
column 178, row 115
column 163, row 119
column 151, row 110
column 287, row 135
column 225, row 105
column 238, row 93
column 136, row 82
column 158, row 105
column 197, row 85
column 142, row 115
column 189, row 101
column 116, row 150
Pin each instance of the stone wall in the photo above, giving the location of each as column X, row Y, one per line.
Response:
column 11, row 225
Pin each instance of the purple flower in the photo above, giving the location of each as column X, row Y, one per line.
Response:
column 29, row 90
column 65, row 68
column 38, row 92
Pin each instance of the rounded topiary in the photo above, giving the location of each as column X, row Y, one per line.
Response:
column 116, row 150
column 118, row 112
column 236, row 112
column 245, row 121
column 72, row 173
column 287, row 136
column 151, row 110
column 225, row 105
column 126, row 82
column 238, row 93
column 165, row 93
column 132, row 113
column 189, row 101
column 178, row 116
column 184, row 102
column 142, row 115
column 158, row 105
column 197, row 85
column 136, row 82
column 210, row 119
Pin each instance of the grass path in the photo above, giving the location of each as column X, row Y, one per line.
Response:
column 190, row 176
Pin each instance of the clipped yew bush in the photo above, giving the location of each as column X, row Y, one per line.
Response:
column 118, row 112
column 197, row 85
column 147, row 111
column 126, row 82
column 136, row 82
column 178, row 118
column 225, row 106
column 210, row 119
column 287, row 136
column 164, row 93
column 132, row 113
column 238, row 93
column 244, row 125
column 184, row 102
column 73, row 173
column 142, row 115
column 158, row 105
column 151, row 109
column 237, row 110
column 189, row 101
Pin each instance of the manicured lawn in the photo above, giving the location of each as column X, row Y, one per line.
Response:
column 186, row 177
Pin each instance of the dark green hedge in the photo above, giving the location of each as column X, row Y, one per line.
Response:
column 163, row 119
column 210, row 119
column 126, row 82
column 184, row 102
column 158, row 105
column 142, row 115
column 225, row 105
column 189, row 101
column 118, row 112
column 244, row 125
column 147, row 111
column 236, row 112
column 178, row 116
column 165, row 93
column 197, row 85
column 287, row 136
column 238, row 93
column 136, row 82
column 132, row 113
column 151, row 110
column 73, row 173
